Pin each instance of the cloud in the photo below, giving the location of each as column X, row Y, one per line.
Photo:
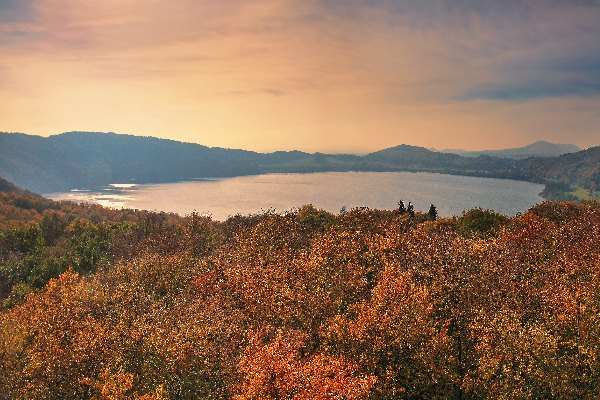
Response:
column 353, row 66
column 533, row 90
column 15, row 10
column 577, row 76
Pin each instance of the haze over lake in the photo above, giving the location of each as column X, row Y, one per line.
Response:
column 331, row 191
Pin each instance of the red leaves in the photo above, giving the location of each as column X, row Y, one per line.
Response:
column 276, row 368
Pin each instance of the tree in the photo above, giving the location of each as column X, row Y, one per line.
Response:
column 401, row 207
column 433, row 212
column 410, row 209
column 280, row 369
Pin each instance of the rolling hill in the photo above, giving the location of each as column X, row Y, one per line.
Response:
column 567, row 174
column 537, row 149
column 92, row 160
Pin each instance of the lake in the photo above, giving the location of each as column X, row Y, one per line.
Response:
column 331, row 191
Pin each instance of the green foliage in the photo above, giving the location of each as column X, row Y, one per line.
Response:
column 317, row 219
column 44, row 239
column 201, row 235
column 481, row 222
column 17, row 294
column 23, row 240
column 558, row 191
column 88, row 247
column 53, row 225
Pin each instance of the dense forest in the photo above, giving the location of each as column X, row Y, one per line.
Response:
column 78, row 160
column 364, row 304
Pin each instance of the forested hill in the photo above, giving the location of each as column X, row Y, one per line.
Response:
column 83, row 160
column 568, row 176
column 9, row 187
column 582, row 167
column 90, row 160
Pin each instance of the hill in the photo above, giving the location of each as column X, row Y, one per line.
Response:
column 78, row 160
column 412, row 158
column 86, row 159
column 537, row 149
column 568, row 175
column 9, row 187
column 90, row 159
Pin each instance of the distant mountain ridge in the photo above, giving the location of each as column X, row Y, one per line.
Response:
column 78, row 160
column 541, row 148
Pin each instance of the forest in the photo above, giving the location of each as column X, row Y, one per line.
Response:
column 364, row 304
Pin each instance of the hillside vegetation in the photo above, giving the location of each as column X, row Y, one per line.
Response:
column 567, row 172
column 366, row 304
column 78, row 160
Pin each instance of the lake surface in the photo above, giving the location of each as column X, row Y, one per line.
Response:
column 330, row 190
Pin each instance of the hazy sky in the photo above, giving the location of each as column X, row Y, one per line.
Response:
column 346, row 75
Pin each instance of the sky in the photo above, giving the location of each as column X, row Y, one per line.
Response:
column 314, row 75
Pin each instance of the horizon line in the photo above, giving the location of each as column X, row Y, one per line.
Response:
column 357, row 153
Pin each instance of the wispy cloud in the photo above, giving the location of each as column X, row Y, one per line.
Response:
column 355, row 72
column 533, row 90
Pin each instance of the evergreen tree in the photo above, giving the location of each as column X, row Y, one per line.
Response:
column 433, row 212
column 410, row 209
column 401, row 207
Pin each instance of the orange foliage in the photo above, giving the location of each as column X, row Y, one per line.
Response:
column 278, row 368
column 366, row 304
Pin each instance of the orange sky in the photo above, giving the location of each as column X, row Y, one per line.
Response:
column 312, row 75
